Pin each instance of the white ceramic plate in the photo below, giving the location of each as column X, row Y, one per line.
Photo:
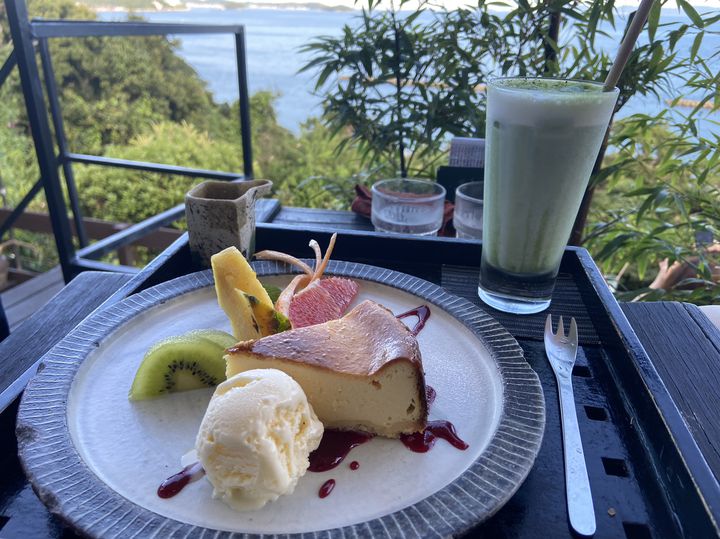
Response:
column 126, row 449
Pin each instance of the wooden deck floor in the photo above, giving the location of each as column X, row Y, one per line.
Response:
column 25, row 299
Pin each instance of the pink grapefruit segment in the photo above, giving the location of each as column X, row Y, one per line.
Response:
column 322, row 301
column 342, row 290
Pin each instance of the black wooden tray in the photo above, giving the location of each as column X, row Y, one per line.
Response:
column 647, row 475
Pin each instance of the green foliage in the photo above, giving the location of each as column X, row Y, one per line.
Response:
column 660, row 206
column 129, row 196
column 308, row 169
column 114, row 88
column 18, row 167
column 383, row 85
column 135, row 98
column 397, row 83
column 42, row 258
column 659, row 188
column 319, row 176
column 403, row 84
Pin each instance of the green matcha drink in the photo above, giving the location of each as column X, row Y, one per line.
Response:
column 542, row 139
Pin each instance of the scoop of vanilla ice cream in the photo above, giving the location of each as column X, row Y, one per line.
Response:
column 256, row 436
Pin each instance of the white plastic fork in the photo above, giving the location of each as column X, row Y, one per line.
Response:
column 561, row 351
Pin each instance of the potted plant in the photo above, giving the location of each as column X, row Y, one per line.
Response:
column 383, row 84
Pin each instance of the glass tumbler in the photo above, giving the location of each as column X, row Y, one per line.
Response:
column 468, row 214
column 541, row 142
column 404, row 206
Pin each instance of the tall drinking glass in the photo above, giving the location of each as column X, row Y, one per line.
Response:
column 542, row 139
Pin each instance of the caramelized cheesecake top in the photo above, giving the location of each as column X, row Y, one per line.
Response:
column 360, row 343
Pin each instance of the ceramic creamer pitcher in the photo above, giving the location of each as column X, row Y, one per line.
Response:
column 221, row 214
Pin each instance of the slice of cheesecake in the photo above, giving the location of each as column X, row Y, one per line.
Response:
column 362, row 371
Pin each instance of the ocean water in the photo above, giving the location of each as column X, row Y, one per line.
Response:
column 274, row 38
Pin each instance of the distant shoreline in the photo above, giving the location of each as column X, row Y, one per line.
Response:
column 158, row 6
column 322, row 5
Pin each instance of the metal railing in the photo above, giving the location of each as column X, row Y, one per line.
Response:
column 30, row 38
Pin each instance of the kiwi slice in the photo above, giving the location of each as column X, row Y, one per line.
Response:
column 221, row 338
column 181, row 363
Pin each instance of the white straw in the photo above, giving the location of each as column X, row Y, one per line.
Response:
column 627, row 45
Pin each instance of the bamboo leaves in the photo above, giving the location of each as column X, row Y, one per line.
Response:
column 403, row 83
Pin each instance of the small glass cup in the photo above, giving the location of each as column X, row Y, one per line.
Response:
column 405, row 206
column 468, row 214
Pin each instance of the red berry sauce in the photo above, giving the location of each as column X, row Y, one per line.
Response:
column 326, row 488
column 175, row 483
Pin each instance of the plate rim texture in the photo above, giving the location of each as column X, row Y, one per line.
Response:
column 73, row 493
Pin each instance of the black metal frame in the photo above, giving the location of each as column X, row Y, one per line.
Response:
column 26, row 35
column 4, row 325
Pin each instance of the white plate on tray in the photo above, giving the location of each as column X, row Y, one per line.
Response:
column 96, row 459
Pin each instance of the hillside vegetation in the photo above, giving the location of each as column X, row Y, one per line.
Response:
column 136, row 98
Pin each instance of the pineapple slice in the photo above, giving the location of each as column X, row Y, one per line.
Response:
column 235, row 272
column 244, row 300
column 238, row 309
